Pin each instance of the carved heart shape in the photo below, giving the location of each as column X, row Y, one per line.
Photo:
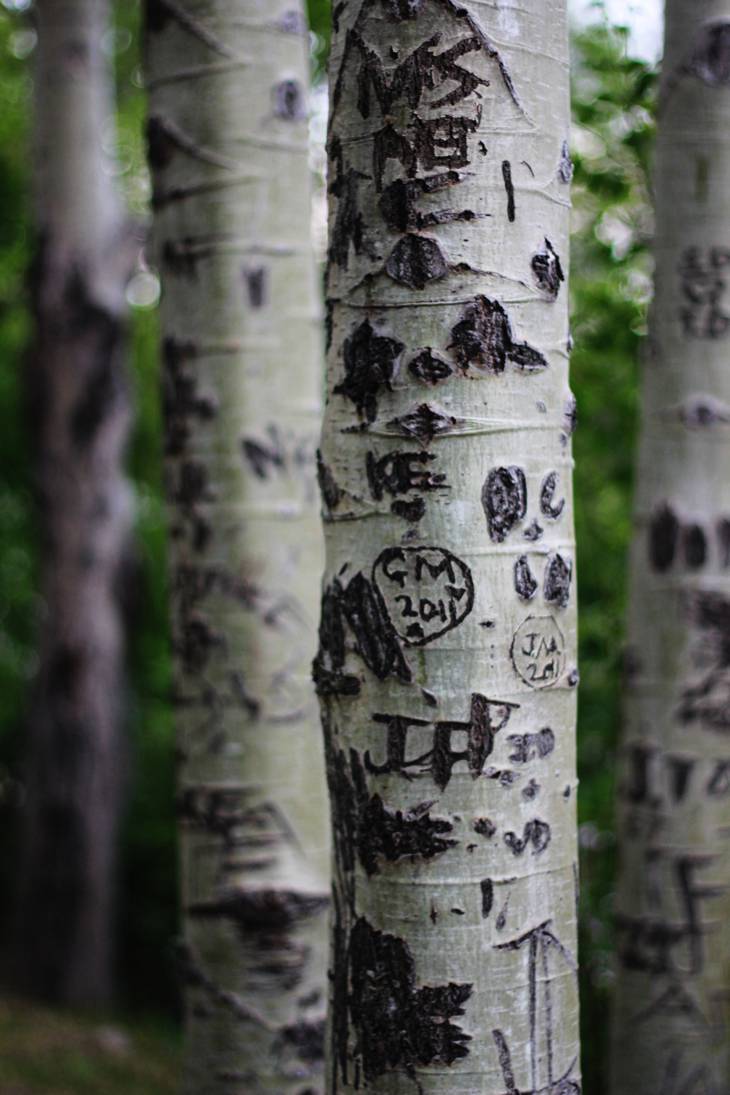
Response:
column 427, row 591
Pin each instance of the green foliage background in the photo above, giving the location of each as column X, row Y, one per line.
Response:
column 613, row 111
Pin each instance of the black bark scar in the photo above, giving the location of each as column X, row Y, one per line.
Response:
column 396, row 1023
column 370, row 362
column 483, row 337
column 509, row 187
column 504, row 500
column 548, row 271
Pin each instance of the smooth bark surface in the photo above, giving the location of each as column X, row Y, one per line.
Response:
column 242, row 360
column 671, row 1033
column 446, row 667
column 80, row 419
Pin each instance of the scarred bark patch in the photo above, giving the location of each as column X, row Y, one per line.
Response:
column 429, row 368
column 261, row 909
column 370, row 362
column 548, row 506
column 565, row 167
column 415, row 261
column 706, row 700
column 182, row 401
column 289, row 101
column 328, row 486
column 663, row 538
column 694, row 543
column 358, row 606
column 424, row 423
column 558, row 574
column 547, row 270
column 374, row 830
column 483, row 337
column 711, row 58
column 305, row 1038
column 412, row 510
column 397, row 1024
column 504, row 499
column 525, row 581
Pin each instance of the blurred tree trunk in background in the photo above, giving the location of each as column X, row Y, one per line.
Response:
column 446, row 667
column 242, row 360
column 673, row 903
column 80, row 419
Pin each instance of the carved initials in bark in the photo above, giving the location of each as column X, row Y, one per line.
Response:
column 536, row 833
column 423, row 70
column 399, row 473
column 703, row 279
column 427, row 590
column 661, row 943
column 424, row 107
column 708, row 700
column 541, row 944
column 488, row 717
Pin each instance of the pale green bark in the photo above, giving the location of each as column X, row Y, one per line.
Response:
column 242, row 350
column 446, row 667
column 671, row 1032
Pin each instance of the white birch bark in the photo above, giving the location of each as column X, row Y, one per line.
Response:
column 242, row 358
column 671, row 1033
column 446, row 667
column 85, row 251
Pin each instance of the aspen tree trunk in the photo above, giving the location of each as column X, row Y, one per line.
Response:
column 80, row 417
column 242, row 360
column 671, row 1032
column 446, row 667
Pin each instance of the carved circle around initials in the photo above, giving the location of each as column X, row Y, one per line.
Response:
column 538, row 652
column 427, row 591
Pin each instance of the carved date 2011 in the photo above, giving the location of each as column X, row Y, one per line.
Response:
column 427, row 590
column 538, row 652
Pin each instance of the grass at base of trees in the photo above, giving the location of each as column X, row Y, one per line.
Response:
column 44, row 1052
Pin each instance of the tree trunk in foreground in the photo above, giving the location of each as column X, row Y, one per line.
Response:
column 673, row 904
column 80, row 419
column 242, row 359
column 446, row 667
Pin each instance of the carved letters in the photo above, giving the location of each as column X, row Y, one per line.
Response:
column 538, row 652
column 396, row 222
column 703, row 283
column 488, row 717
column 427, row 590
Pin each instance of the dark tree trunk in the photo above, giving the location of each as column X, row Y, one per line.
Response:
column 80, row 420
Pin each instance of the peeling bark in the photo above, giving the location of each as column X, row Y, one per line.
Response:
column 242, row 360
column 446, row 667
column 79, row 404
column 671, row 1031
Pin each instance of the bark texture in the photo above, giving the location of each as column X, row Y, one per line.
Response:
column 242, row 361
column 80, row 418
column 446, row 666
column 671, row 1033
